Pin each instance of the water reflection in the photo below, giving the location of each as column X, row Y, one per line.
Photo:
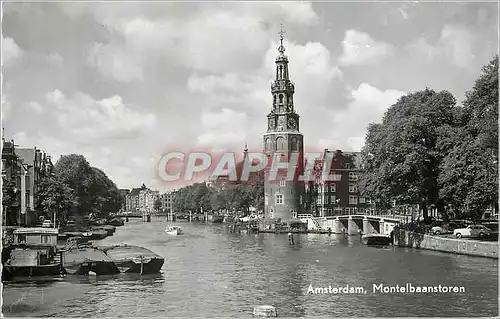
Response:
column 137, row 279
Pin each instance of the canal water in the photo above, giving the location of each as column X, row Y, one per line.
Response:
column 209, row 272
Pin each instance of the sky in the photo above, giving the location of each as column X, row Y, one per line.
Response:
column 124, row 83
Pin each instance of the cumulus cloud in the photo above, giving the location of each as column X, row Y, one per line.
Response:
column 222, row 128
column 195, row 42
column 115, row 63
column 87, row 118
column 457, row 45
column 360, row 48
column 226, row 83
column 34, row 106
column 458, row 41
column 10, row 51
column 368, row 105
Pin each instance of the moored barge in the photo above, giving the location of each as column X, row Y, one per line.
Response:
column 81, row 258
column 134, row 259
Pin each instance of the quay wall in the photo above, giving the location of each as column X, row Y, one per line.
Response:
column 404, row 238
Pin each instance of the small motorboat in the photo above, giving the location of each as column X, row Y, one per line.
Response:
column 376, row 240
column 173, row 230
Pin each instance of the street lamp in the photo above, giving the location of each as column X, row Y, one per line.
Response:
column 338, row 207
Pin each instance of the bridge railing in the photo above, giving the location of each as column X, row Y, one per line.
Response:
column 305, row 216
column 401, row 218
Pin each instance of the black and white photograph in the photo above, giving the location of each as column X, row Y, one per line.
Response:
column 205, row 159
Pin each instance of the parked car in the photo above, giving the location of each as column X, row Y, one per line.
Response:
column 47, row 224
column 472, row 231
column 438, row 230
column 446, row 228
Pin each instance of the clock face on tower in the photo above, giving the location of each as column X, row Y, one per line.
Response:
column 292, row 123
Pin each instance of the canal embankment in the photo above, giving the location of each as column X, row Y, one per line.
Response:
column 405, row 238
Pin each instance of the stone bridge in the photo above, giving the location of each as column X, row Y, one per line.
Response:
column 353, row 224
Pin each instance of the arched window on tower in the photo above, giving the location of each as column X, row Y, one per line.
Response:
column 280, row 144
column 268, row 144
column 294, row 147
column 281, row 72
column 274, row 100
column 281, row 98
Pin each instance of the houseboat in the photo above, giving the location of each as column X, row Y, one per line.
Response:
column 134, row 259
column 33, row 253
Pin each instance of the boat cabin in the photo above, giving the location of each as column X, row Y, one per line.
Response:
column 35, row 236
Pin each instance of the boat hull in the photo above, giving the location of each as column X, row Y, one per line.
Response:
column 376, row 240
column 99, row 268
column 153, row 266
column 32, row 271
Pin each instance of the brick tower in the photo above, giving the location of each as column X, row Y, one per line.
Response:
column 283, row 198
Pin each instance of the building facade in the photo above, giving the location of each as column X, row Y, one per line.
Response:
column 22, row 169
column 167, row 201
column 339, row 195
column 283, row 196
column 132, row 199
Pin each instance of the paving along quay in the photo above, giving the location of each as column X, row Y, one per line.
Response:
column 228, row 170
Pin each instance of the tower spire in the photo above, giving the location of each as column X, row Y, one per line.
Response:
column 281, row 48
column 245, row 153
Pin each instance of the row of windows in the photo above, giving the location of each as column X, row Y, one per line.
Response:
column 353, row 200
column 281, row 144
column 353, row 188
column 282, row 98
column 353, row 176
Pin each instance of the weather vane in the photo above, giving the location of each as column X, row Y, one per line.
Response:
column 281, row 33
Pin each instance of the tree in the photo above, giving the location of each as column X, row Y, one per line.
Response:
column 55, row 197
column 179, row 201
column 104, row 193
column 9, row 198
column 400, row 158
column 74, row 171
column 93, row 192
column 469, row 182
